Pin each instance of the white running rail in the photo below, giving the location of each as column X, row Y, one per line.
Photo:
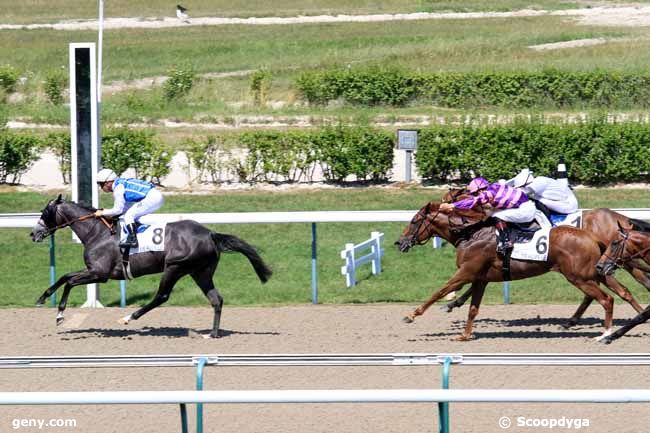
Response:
column 279, row 360
column 330, row 396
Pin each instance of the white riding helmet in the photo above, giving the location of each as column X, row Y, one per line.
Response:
column 106, row 175
column 525, row 177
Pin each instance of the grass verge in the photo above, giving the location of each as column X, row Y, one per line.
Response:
column 409, row 277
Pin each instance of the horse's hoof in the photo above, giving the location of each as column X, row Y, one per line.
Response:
column 606, row 336
column 447, row 308
column 408, row 319
column 59, row 319
column 569, row 325
column 40, row 302
column 124, row 320
column 463, row 337
column 606, row 340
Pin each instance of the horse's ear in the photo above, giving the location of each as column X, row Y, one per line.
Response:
column 621, row 230
column 59, row 199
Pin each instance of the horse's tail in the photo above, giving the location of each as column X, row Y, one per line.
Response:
column 226, row 243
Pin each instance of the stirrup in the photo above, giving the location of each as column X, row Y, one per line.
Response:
column 129, row 242
column 503, row 248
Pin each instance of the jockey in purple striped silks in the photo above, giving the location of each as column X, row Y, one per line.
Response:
column 510, row 204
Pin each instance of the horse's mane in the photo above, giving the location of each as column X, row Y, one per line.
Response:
column 84, row 206
column 639, row 225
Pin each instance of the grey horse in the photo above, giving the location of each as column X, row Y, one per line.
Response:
column 190, row 249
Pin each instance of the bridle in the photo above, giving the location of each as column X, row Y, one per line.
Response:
column 425, row 219
column 617, row 258
column 50, row 230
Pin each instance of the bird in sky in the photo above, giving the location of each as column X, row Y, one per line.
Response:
column 181, row 14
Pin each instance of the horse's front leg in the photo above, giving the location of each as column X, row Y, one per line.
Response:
column 640, row 318
column 82, row 277
column 573, row 321
column 458, row 302
column 460, row 278
column 53, row 288
column 172, row 274
column 477, row 290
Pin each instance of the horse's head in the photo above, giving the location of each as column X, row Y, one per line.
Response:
column 430, row 221
column 420, row 229
column 455, row 194
column 613, row 257
column 47, row 223
column 632, row 248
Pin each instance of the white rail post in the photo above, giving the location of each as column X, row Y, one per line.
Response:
column 349, row 268
column 376, row 251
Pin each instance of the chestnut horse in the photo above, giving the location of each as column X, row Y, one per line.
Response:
column 631, row 249
column 572, row 252
column 603, row 223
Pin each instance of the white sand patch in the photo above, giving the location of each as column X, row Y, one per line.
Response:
column 149, row 82
column 569, row 44
column 603, row 16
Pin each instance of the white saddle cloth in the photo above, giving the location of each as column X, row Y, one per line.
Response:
column 150, row 238
column 536, row 249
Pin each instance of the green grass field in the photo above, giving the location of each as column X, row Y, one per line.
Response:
column 409, row 277
column 32, row 11
column 440, row 45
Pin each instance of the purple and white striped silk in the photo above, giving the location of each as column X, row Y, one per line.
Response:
column 500, row 196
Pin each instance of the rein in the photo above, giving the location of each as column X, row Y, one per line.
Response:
column 620, row 259
column 425, row 219
column 81, row 218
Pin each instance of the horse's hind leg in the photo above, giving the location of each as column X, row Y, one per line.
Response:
column 203, row 279
column 170, row 277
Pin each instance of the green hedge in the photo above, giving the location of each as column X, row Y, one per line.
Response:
column 121, row 149
column 545, row 89
column 343, row 154
column 596, row 151
column 138, row 149
column 18, row 151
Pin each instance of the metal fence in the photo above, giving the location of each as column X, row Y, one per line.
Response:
column 441, row 396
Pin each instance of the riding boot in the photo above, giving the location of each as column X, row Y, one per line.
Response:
column 131, row 238
column 504, row 244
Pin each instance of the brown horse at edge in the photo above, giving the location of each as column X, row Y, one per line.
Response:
column 572, row 252
column 603, row 223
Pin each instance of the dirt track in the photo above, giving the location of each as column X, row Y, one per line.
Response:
column 318, row 329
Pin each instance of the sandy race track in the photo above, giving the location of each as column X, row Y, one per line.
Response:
column 318, row 329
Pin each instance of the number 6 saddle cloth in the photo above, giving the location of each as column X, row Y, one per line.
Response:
column 151, row 237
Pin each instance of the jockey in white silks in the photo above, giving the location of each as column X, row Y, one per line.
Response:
column 555, row 194
column 133, row 198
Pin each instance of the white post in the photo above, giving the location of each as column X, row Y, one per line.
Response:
column 100, row 54
column 100, row 45
column 376, row 252
column 351, row 279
